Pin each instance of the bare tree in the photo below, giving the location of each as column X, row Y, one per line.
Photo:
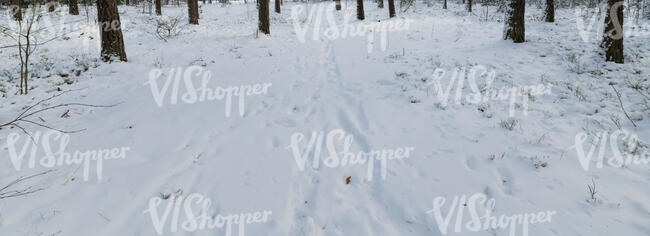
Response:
column 360, row 14
column 646, row 9
column 73, row 7
column 514, row 21
column 193, row 10
column 159, row 7
column 469, row 5
column 277, row 6
column 391, row 8
column 444, row 6
column 549, row 13
column 613, row 36
column 26, row 42
column 380, row 3
column 338, row 4
column 263, row 16
column 110, row 30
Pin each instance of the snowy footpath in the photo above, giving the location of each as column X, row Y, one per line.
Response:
column 438, row 126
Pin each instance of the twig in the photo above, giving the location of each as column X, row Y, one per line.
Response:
column 23, row 192
column 30, row 111
column 622, row 108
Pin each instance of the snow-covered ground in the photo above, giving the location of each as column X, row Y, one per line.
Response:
column 521, row 152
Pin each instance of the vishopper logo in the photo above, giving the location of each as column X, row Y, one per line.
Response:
column 482, row 94
column 346, row 157
column 344, row 30
column 481, row 210
column 204, row 220
column 194, row 94
column 588, row 32
column 61, row 156
column 634, row 152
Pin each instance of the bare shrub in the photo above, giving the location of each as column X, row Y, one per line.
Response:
column 168, row 27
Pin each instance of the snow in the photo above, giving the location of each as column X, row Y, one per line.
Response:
column 384, row 99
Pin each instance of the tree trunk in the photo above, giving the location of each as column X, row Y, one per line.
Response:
column 514, row 24
column 110, row 30
column 158, row 7
column 193, row 11
column 73, row 7
column 277, row 6
column 16, row 9
column 613, row 35
column 469, row 5
column 338, row 4
column 263, row 15
column 550, row 11
column 380, row 3
column 646, row 10
column 50, row 5
column 360, row 14
column 445, row 5
column 391, row 8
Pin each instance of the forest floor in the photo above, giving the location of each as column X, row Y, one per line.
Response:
column 520, row 151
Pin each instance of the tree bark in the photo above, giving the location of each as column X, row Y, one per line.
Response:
column 514, row 23
column 646, row 10
column 263, row 15
column 277, row 6
column 391, row 8
column 380, row 3
column 550, row 11
column 16, row 9
column 360, row 14
column 50, row 5
column 613, row 35
column 158, row 7
column 193, row 11
column 338, row 4
column 110, row 30
column 73, row 7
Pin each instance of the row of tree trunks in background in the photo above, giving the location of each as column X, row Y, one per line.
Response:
column 514, row 25
column 110, row 30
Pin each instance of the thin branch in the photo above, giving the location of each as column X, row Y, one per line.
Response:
column 21, row 192
column 621, row 102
